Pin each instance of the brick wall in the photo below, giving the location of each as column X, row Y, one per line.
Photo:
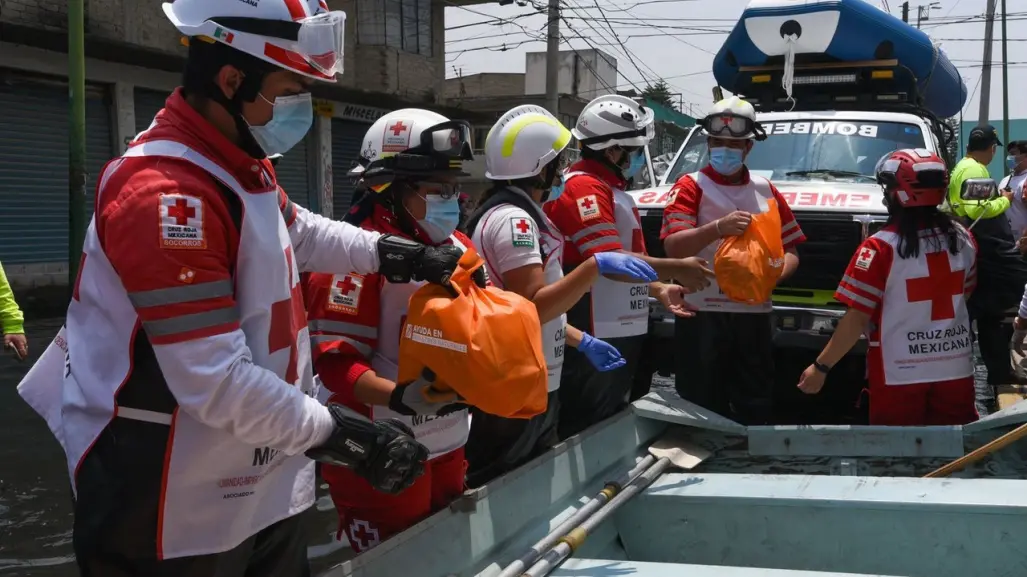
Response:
column 484, row 85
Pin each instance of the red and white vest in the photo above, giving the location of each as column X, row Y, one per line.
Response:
column 921, row 340
column 215, row 494
column 620, row 309
column 440, row 435
column 719, row 201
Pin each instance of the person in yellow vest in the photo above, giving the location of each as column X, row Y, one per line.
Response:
column 12, row 321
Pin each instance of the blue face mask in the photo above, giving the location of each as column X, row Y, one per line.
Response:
column 1011, row 162
column 557, row 189
column 726, row 161
column 441, row 218
column 637, row 162
column 290, row 121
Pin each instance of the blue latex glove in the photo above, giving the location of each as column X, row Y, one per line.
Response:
column 625, row 264
column 603, row 356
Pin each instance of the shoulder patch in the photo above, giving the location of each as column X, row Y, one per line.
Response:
column 344, row 296
column 864, row 258
column 588, row 207
column 181, row 222
column 522, row 232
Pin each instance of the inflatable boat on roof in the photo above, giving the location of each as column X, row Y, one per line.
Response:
column 798, row 34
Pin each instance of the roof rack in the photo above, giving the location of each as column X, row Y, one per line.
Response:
column 866, row 85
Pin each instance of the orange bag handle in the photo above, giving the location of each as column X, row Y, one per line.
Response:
column 465, row 267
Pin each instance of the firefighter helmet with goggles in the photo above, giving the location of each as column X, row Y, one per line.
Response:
column 913, row 177
column 614, row 120
column 298, row 35
column 733, row 119
column 413, row 143
column 523, row 142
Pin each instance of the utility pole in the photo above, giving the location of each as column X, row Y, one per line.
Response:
column 905, row 11
column 1005, row 86
column 989, row 35
column 553, row 59
column 76, row 136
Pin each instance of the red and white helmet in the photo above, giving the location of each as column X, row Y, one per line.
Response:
column 298, row 35
column 913, row 177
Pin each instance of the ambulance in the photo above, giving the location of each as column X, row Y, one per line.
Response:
column 822, row 160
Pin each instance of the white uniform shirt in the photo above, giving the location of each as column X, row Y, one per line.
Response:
column 1017, row 212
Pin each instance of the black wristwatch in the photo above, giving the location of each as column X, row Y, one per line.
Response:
column 821, row 367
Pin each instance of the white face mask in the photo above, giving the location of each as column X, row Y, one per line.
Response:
column 441, row 217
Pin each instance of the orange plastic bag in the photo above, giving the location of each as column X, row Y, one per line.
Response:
column 485, row 344
column 748, row 265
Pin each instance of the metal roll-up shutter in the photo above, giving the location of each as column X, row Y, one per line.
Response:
column 34, row 164
column 346, row 138
column 147, row 103
column 294, row 174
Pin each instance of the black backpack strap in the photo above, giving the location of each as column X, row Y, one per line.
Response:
column 504, row 195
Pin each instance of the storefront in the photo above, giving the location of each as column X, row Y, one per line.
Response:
column 34, row 148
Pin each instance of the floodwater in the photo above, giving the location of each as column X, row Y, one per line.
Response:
column 35, row 498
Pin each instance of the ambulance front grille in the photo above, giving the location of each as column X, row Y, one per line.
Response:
column 831, row 240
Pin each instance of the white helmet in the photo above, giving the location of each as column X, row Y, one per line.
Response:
column 413, row 142
column 733, row 119
column 614, row 120
column 523, row 142
column 298, row 35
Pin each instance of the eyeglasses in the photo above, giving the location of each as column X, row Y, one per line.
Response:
column 446, row 190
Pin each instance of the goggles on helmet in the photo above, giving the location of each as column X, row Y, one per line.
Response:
column 442, row 149
column 316, row 41
column 728, row 125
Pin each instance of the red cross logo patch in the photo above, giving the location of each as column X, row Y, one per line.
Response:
column 181, row 221
column 362, row 536
column 864, row 258
column 521, row 232
column 588, row 207
column 396, row 137
column 344, row 296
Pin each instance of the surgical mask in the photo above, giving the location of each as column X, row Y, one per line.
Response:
column 556, row 190
column 290, row 121
column 726, row 160
column 441, row 218
column 1011, row 162
column 636, row 164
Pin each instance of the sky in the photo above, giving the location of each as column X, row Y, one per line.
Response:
column 676, row 40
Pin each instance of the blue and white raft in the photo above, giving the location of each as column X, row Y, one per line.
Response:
column 837, row 31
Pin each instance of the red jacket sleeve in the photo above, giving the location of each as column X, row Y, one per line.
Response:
column 584, row 213
column 863, row 284
column 791, row 234
column 173, row 244
column 683, row 211
column 343, row 314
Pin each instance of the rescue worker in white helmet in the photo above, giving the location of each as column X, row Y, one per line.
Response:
column 725, row 359
column 408, row 166
column 184, row 396
column 907, row 287
column 524, row 253
column 597, row 216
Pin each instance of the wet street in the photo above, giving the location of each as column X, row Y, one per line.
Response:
column 35, row 498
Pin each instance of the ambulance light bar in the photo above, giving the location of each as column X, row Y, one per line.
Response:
column 826, row 79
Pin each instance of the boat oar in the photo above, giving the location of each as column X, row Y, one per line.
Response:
column 668, row 451
column 978, row 454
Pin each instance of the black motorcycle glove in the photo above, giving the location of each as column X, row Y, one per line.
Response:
column 382, row 452
column 402, row 260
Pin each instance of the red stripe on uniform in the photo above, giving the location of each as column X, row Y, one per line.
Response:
column 292, row 60
column 164, row 485
column 296, row 11
column 323, row 5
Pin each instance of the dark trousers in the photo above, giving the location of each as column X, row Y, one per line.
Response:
column 725, row 363
column 588, row 396
column 993, row 337
column 497, row 445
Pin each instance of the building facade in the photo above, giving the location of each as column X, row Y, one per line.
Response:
column 134, row 58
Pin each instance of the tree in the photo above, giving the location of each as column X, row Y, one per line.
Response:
column 660, row 92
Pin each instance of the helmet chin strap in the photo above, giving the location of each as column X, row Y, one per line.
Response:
column 247, row 92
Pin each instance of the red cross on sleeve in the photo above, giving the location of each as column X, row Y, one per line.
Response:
column 574, row 213
column 862, row 286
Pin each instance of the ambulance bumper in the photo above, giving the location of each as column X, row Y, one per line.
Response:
column 794, row 327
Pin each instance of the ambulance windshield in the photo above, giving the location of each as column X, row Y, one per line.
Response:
column 812, row 150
